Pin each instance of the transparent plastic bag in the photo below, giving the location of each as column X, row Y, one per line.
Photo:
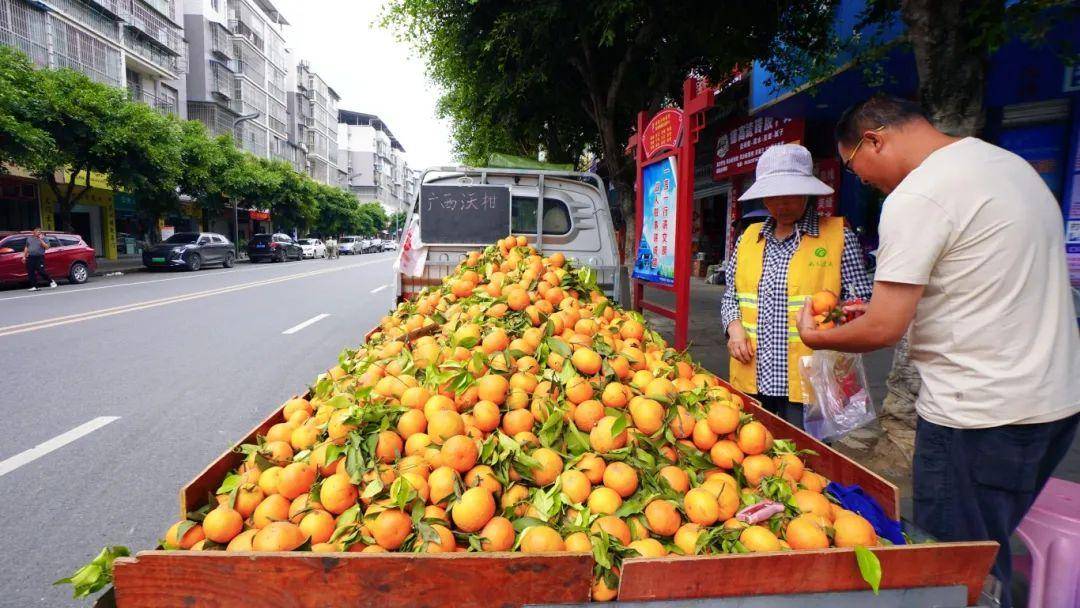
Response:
column 837, row 394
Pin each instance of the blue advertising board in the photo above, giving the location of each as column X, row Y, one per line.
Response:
column 655, row 260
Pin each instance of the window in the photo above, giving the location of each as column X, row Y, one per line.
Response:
column 68, row 241
column 523, row 216
column 16, row 244
column 182, row 238
column 52, row 241
column 220, row 240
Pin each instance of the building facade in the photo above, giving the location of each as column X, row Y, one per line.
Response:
column 313, row 126
column 374, row 161
column 239, row 67
column 137, row 45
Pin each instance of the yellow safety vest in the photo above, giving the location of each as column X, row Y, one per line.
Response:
column 814, row 267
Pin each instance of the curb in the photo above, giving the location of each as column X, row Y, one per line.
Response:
column 136, row 268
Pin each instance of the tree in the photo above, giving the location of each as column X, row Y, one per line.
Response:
column 92, row 127
column 20, row 102
column 372, row 219
column 396, row 221
column 567, row 77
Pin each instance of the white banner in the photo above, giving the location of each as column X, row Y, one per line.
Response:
column 413, row 254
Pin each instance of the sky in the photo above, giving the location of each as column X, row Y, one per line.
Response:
column 370, row 70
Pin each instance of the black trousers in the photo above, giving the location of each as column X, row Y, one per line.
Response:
column 977, row 484
column 35, row 266
column 791, row 412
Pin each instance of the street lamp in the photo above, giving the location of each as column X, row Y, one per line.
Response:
column 236, row 213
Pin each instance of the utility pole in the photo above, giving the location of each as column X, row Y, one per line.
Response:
column 236, row 212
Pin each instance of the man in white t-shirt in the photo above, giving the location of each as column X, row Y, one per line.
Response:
column 972, row 258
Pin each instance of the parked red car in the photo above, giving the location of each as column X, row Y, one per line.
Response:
column 68, row 256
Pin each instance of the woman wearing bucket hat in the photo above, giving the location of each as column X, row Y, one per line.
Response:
column 777, row 265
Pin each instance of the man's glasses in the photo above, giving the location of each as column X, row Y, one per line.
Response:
column 851, row 157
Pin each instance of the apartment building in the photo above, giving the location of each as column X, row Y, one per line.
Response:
column 239, row 67
column 133, row 44
column 314, row 125
column 374, row 161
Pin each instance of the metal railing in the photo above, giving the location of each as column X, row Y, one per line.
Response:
column 221, row 41
column 162, row 104
column 139, row 45
column 24, row 28
column 156, row 27
column 88, row 16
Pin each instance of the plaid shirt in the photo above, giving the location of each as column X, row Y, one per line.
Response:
column 772, row 344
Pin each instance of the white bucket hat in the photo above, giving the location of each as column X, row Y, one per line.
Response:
column 785, row 170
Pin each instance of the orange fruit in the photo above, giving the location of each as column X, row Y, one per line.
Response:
column 296, row 479
column 541, row 539
column 648, row 415
column 701, row 507
column 497, row 534
column 492, row 388
column 622, row 478
column 703, row 436
column 495, row 341
column 726, row 454
column 517, row 299
column 722, row 419
column 192, row 535
column 444, row 424
column 338, row 493
column 677, row 478
column 486, row 416
column 592, row 466
column 278, row 536
column 759, row 539
column 663, row 517
column 824, row 301
column 756, row 467
column 754, row 438
column 615, row 394
column 813, row 482
column 682, row 425
column 587, row 414
column 686, row 538
column 789, row 466
column 604, row 500
column 459, row 453
column 304, row 437
column 575, row 486
column 473, row 510
column 850, row 530
column 411, row 423
column 273, row 508
column 578, row 542
column 242, row 541
column 601, row 438
column 390, row 528
column 318, row 525
column 804, row 532
column 441, row 483
column 578, row 390
column 614, row 526
column 586, row 361
column 649, row 547
column 247, row 498
column 515, row 497
column 517, row 421
column 551, row 465
column 484, row 477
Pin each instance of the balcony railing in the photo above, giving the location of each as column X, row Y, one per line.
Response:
column 161, row 104
column 157, row 28
column 138, row 45
column 221, row 80
column 116, row 7
column 244, row 31
column 221, row 41
column 88, row 16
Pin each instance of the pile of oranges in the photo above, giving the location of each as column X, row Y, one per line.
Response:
column 515, row 408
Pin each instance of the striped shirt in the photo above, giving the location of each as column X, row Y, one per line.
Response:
column 771, row 355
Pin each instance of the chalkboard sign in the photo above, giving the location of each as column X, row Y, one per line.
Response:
column 464, row 215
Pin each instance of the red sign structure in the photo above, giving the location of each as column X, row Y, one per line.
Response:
column 662, row 132
column 653, row 137
column 741, row 143
column 828, row 171
column 259, row 216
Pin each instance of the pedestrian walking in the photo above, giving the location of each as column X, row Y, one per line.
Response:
column 972, row 258
column 34, row 256
column 777, row 265
column 331, row 248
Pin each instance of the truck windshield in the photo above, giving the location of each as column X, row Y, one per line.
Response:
column 523, row 216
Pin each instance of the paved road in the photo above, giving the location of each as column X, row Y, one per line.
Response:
column 149, row 377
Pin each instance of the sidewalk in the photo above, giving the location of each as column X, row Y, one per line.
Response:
column 130, row 264
column 708, row 346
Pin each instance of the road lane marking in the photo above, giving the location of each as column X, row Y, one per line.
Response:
column 84, row 289
column 115, row 310
column 378, row 289
column 22, row 458
column 311, row 321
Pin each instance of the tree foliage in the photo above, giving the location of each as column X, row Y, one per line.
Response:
column 567, row 78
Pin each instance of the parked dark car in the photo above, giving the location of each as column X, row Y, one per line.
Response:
column 190, row 250
column 274, row 247
column 68, row 256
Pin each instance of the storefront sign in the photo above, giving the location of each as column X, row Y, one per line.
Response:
column 828, row 171
column 259, row 216
column 1071, row 205
column 97, row 180
column 740, row 144
column 655, row 261
column 167, row 231
column 662, row 132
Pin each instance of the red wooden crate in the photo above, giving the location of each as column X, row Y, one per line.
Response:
column 218, row 579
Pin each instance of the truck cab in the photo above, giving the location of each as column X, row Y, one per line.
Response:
column 573, row 219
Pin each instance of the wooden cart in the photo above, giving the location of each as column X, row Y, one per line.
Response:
column 157, row 579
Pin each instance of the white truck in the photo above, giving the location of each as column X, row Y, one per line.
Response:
column 574, row 220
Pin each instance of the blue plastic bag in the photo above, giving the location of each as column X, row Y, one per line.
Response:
column 854, row 499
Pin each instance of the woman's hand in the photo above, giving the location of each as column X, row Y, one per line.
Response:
column 739, row 345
